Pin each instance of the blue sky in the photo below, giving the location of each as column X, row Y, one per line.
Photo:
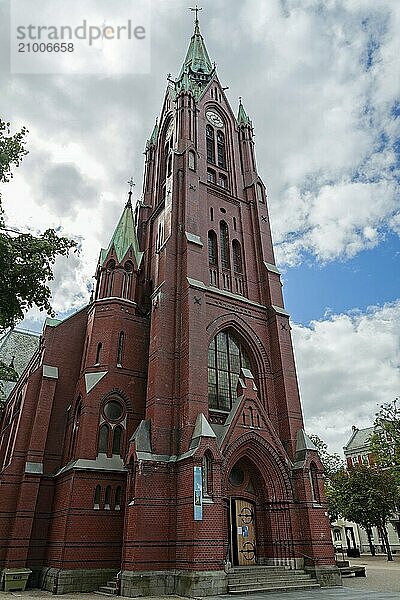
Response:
column 313, row 291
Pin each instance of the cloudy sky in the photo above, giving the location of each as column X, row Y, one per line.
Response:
column 321, row 82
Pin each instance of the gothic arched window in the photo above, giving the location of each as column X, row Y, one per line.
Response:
column 110, row 277
column 224, row 245
column 314, row 483
column 118, row 498
column 237, row 257
column 121, row 339
column 221, row 150
column 192, row 160
column 210, row 143
column 207, row 473
column 98, row 353
column 226, row 357
column 97, row 495
column 212, row 247
column 127, row 281
column 117, row 438
column 103, row 439
column 75, row 428
column 107, row 498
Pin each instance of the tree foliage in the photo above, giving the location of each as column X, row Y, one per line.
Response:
column 366, row 495
column 26, row 260
column 385, row 442
column 332, row 463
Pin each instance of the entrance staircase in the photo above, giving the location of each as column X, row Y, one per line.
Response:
column 247, row 580
column 110, row 589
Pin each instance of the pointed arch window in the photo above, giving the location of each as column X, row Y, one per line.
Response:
column 97, row 496
column 260, row 193
column 207, row 474
column 237, row 257
column 212, row 248
column 192, row 160
column 127, row 282
column 107, row 498
column 314, row 483
column 75, row 428
column 224, row 245
column 110, row 277
column 210, row 143
column 117, row 439
column 121, row 340
column 221, row 154
column 103, row 439
column 98, row 353
column 226, row 357
column 118, row 498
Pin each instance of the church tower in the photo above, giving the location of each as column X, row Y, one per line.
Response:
column 223, row 431
column 157, row 434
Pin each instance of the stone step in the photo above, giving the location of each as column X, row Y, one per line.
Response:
column 109, row 591
column 255, row 580
column 275, row 588
column 267, row 582
column 112, row 584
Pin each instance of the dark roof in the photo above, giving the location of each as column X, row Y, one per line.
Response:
column 359, row 440
column 20, row 345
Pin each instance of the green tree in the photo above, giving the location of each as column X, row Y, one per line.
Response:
column 332, row 463
column 26, row 260
column 385, row 442
column 367, row 495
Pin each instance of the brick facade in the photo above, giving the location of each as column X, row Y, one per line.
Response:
column 97, row 461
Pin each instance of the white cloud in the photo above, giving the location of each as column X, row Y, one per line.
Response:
column 347, row 365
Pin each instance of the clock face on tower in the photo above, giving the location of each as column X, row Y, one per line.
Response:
column 214, row 118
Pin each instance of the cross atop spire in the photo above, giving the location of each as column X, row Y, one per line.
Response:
column 131, row 184
column 196, row 10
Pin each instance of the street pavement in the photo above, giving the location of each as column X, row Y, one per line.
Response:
column 382, row 583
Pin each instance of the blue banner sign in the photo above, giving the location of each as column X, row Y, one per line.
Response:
column 198, row 494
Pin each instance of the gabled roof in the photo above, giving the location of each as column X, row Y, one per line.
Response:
column 17, row 348
column 124, row 237
column 360, row 440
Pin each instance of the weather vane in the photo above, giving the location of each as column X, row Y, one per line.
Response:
column 196, row 9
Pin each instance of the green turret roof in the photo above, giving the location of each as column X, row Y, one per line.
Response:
column 197, row 68
column 242, row 118
column 124, row 237
column 197, row 59
column 153, row 137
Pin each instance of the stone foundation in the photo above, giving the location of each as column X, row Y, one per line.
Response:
column 181, row 583
column 59, row 581
column 326, row 575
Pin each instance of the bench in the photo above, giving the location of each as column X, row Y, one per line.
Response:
column 359, row 571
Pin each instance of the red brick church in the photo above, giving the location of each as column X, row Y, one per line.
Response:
column 157, row 433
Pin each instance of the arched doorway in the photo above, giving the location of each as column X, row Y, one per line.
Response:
column 245, row 495
column 259, row 529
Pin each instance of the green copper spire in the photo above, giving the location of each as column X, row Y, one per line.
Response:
column 197, row 59
column 153, row 137
column 197, row 68
column 242, row 117
column 124, row 236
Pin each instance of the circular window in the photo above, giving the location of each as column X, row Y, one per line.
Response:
column 113, row 410
column 236, row 476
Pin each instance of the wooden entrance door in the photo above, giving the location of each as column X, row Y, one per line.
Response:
column 246, row 532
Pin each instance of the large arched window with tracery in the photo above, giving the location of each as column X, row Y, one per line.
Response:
column 226, row 357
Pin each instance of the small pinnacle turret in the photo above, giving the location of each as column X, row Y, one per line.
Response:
column 124, row 236
column 243, row 118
